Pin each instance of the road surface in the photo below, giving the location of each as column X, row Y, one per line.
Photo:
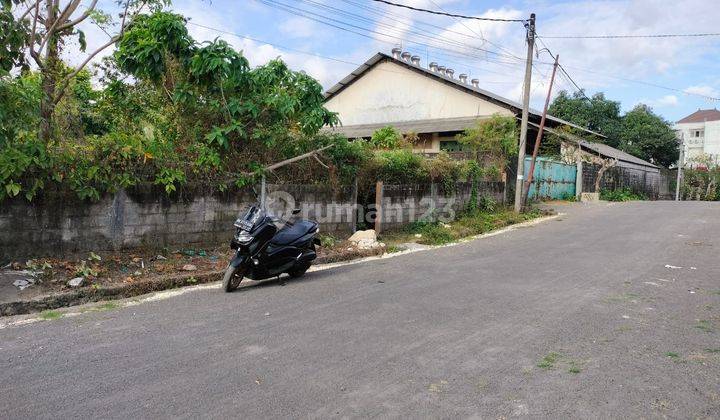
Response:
column 588, row 315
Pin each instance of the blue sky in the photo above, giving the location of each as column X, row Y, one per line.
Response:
column 689, row 65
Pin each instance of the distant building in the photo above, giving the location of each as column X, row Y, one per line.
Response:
column 700, row 132
column 432, row 102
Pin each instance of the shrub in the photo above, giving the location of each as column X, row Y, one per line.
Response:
column 386, row 138
column 444, row 170
column 621, row 194
column 397, row 166
column 487, row 204
column 433, row 233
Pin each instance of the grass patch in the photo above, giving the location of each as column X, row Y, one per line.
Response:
column 622, row 194
column 328, row 241
column 712, row 351
column 672, row 355
column 625, row 297
column 49, row 315
column 704, row 326
column 433, row 233
column 108, row 306
column 549, row 361
column 553, row 360
column 393, row 248
column 469, row 223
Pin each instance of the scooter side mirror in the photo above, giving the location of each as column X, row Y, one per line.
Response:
column 296, row 211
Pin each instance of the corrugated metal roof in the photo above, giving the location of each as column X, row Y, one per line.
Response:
column 377, row 58
column 612, row 152
column 600, row 148
column 419, row 126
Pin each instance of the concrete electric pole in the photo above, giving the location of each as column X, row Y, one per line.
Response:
column 525, row 115
column 681, row 157
column 536, row 149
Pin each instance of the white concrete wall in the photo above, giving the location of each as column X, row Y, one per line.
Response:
column 392, row 93
column 709, row 144
column 712, row 137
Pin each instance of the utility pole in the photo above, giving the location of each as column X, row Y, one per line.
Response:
column 681, row 157
column 525, row 115
column 540, row 130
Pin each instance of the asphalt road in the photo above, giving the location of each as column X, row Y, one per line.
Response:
column 574, row 317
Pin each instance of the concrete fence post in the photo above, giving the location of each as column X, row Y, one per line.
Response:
column 378, row 206
column 434, row 198
column 579, row 178
column 354, row 203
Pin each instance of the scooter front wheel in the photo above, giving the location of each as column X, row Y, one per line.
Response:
column 233, row 277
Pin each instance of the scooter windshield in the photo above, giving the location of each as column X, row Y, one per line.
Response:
column 250, row 219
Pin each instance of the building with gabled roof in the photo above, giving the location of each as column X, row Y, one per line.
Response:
column 431, row 102
column 700, row 133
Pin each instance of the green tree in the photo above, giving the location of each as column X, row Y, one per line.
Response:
column 494, row 139
column 649, row 136
column 598, row 114
column 41, row 29
column 639, row 132
column 386, row 138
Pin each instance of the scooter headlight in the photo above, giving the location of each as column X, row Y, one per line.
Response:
column 243, row 238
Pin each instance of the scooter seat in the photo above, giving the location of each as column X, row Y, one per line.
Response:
column 289, row 234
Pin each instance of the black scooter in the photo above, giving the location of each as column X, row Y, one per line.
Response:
column 263, row 251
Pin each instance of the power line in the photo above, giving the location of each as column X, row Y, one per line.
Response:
column 563, row 72
column 271, row 43
column 655, row 85
column 289, row 49
column 358, row 18
column 352, row 28
column 700, row 35
column 435, row 12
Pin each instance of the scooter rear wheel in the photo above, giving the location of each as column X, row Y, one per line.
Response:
column 299, row 271
column 232, row 278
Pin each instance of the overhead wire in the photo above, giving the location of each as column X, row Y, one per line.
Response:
column 696, row 35
column 428, row 40
column 435, row 12
column 308, row 53
column 445, row 51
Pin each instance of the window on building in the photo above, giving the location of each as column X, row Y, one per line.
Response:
column 451, row 146
column 698, row 133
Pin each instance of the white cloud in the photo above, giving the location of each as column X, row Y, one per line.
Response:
column 298, row 27
column 591, row 63
column 665, row 101
column 327, row 72
column 703, row 90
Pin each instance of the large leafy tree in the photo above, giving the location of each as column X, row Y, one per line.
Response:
column 649, row 136
column 170, row 111
column 639, row 132
column 38, row 30
column 598, row 114
column 494, row 138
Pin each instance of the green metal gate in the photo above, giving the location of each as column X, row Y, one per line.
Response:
column 551, row 179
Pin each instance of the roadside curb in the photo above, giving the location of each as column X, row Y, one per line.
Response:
column 128, row 290
column 87, row 295
column 185, row 282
